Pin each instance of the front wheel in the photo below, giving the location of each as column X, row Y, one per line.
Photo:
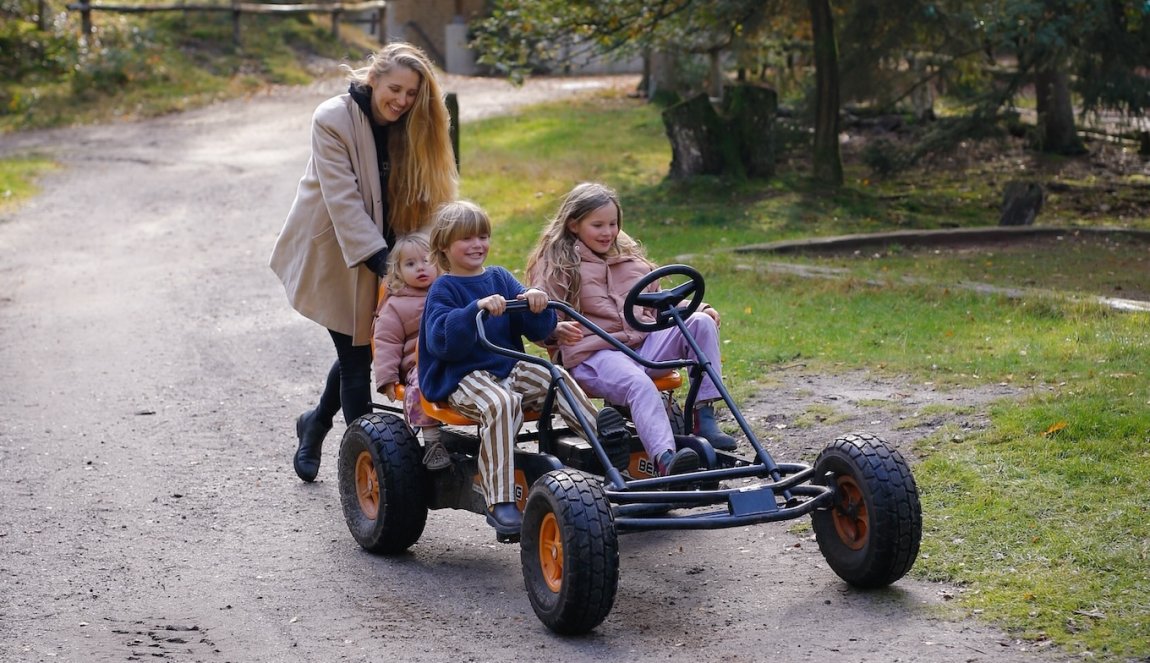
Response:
column 569, row 551
column 381, row 484
column 870, row 536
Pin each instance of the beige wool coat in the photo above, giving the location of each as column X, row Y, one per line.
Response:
column 335, row 223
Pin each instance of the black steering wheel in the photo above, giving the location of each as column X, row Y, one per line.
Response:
column 664, row 301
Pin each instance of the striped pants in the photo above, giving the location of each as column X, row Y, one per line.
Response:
column 498, row 407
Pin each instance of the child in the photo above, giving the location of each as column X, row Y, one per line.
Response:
column 410, row 273
column 486, row 386
column 584, row 258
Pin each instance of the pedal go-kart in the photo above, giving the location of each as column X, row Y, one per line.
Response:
column 578, row 497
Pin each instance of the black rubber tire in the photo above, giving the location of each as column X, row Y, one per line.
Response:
column 569, row 551
column 871, row 536
column 382, row 483
column 675, row 415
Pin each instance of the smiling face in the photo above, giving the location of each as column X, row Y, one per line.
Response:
column 416, row 267
column 597, row 229
column 467, row 254
column 393, row 93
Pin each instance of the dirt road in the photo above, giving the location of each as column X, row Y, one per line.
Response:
column 151, row 373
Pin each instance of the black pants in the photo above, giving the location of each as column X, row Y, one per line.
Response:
column 348, row 382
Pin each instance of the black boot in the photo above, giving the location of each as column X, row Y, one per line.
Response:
column 311, row 432
column 677, row 462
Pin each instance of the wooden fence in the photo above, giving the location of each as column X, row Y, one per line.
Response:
column 238, row 9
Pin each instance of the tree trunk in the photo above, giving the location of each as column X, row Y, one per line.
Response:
column 828, row 163
column 661, row 79
column 750, row 112
column 715, row 76
column 1056, row 113
column 696, row 133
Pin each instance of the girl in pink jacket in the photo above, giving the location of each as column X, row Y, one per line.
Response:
column 396, row 334
column 584, row 258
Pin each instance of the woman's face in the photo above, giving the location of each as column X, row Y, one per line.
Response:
column 393, row 93
column 597, row 229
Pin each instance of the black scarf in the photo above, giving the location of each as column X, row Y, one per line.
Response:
column 361, row 94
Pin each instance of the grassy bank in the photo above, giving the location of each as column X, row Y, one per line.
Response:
column 1042, row 518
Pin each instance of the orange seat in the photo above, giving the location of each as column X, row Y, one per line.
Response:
column 448, row 415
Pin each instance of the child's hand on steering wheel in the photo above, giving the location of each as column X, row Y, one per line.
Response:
column 536, row 299
column 493, row 304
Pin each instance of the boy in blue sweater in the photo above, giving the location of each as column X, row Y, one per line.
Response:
column 490, row 388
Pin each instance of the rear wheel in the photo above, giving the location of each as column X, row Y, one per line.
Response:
column 675, row 414
column 381, row 483
column 569, row 551
column 871, row 534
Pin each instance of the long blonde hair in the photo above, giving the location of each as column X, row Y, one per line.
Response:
column 419, row 143
column 554, row 256
column 456, row 220
column 418, row 241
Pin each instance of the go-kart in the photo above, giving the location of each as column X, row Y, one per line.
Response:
column 577, row 497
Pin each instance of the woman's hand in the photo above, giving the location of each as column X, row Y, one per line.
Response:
column 536, row 299
column 568, row 332
column 389, row 391
column 493, row 304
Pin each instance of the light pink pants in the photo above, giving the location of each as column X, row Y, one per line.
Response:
column 612, row 375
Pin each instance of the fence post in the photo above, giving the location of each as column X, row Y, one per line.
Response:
column 452, row 103
column 335, row 12
column 86, row 19
column 236, row 23
column 381, row 16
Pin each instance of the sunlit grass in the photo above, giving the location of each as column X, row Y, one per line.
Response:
column 18, row 179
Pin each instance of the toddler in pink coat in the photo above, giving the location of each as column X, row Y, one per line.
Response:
column 396, row 333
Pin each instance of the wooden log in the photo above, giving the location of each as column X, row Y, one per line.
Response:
column 1021, row 202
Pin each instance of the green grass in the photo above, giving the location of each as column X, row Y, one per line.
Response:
column 142, row 66
column 1043, row 518
column 18, row 179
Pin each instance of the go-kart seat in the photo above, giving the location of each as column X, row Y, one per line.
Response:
column 449, row 415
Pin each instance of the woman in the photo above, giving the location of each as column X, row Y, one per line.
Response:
column 381, row 163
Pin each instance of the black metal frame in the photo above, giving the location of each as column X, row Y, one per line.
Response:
column 784, row 492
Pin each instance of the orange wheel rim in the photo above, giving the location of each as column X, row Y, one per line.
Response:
column 551, row 553
column 850, row 514
column 367, row 485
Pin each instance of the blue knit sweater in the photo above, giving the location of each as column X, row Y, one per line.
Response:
column 449, row 345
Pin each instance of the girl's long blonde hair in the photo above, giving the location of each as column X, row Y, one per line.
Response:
column 554, row 257
column 424, row 175
column 456, row 220
column 417, row 241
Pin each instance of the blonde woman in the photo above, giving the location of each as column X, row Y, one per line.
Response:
column 381, row 163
